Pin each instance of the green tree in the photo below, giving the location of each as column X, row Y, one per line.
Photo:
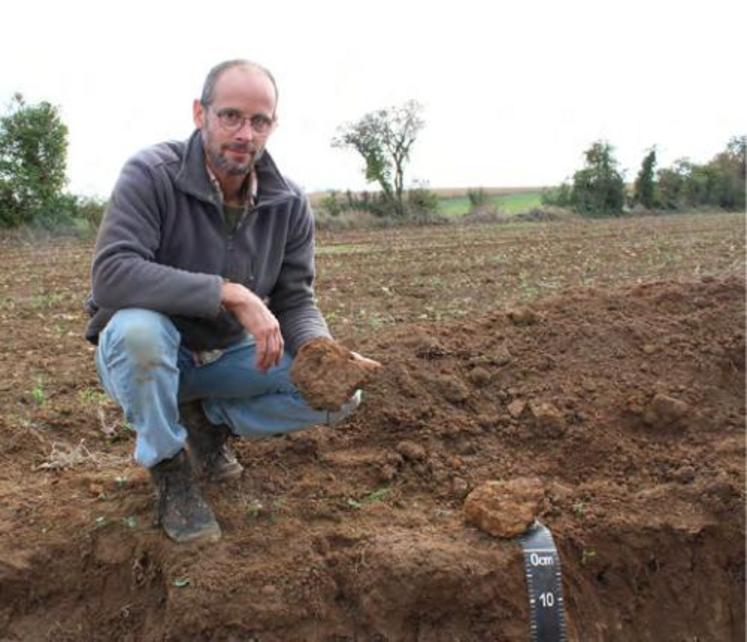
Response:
column 727, row 175
column 598, row 188
column 718, row 183
column 384, row 139
column 644, row 187
column 33, row 148
column 670, row 187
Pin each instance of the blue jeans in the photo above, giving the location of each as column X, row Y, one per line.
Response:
column 145, row 369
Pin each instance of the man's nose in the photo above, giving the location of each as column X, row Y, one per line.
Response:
column 245, row 131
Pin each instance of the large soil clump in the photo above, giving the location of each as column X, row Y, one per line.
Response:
column 327, row 373
column 625, row 408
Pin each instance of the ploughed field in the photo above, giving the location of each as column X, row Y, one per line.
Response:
column 605, row 359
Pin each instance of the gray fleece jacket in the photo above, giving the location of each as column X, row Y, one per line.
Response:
column 162, row 246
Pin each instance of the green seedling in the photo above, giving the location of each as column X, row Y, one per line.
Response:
column 181, row 582
column 580, row 508
column 37, row 392
column 255, row 510
column 92, row 396
column 376, row 496
column 587, row 555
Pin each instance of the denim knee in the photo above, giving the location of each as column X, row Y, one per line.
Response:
column 144, row 335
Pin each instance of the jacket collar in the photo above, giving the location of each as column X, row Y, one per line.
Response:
column 193, row 178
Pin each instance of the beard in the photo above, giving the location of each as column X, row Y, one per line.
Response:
column 220, row 161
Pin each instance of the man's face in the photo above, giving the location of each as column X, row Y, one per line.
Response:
column 241, row 94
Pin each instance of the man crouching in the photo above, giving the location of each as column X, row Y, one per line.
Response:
column 202, row 292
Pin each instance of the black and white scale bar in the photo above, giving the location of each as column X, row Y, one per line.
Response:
column 544, row 584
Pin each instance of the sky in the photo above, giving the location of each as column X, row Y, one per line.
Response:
column 512, row 92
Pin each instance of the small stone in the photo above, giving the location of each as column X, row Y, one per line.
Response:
column 452, row 389
column 548, row 418
column 96, row 489
column 410, row 450
column 665, row 411
column 516, row 407
column 455, row 462
column 479, row 376
column 486, row 422
column 393, row 459
column 649, row 348
column 721, row 488
column 504, row 509
column 635, row 405
column 459, row 487
column 387, row 473
column 502, row 356
column 684, row 474
column 269, row 589
column 589, row 385
column 523, row 317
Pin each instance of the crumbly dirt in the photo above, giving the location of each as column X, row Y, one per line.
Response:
column 626, row 403
column 327, row 373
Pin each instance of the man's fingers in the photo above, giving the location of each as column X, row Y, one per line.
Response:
column 262, row 350
column 273, row 350
column 366, row 360
column 281, row 347
column 269, row 349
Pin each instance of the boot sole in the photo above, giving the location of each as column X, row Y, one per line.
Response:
column 210, row 534
column 229, row 473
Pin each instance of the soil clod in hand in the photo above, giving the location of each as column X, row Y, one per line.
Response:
column 327, row 373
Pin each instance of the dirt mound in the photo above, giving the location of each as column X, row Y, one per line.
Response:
column 627, row 407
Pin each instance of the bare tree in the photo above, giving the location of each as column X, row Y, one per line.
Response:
column 384, row 139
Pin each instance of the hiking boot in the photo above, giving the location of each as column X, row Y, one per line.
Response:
column 182, row 512
column 209, row 445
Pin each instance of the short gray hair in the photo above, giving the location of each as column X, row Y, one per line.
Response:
column 208, row 88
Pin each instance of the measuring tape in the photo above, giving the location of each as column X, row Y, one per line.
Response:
column 542, row 568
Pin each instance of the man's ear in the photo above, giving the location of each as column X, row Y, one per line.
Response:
column 198, row 114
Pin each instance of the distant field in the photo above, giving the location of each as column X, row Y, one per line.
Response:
column 512, row 203
column 454, row 201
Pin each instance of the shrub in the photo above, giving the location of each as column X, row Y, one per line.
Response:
column 91, row 210
column 477, row 198
column 557, row 196
column 421, row 202
column 331, row 203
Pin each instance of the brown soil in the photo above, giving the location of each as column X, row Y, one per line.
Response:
column 327, row 373
column 627, row 404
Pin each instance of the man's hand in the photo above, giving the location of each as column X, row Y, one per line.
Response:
column 254, row 315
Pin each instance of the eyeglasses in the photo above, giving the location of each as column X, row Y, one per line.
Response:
column 232, row 120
